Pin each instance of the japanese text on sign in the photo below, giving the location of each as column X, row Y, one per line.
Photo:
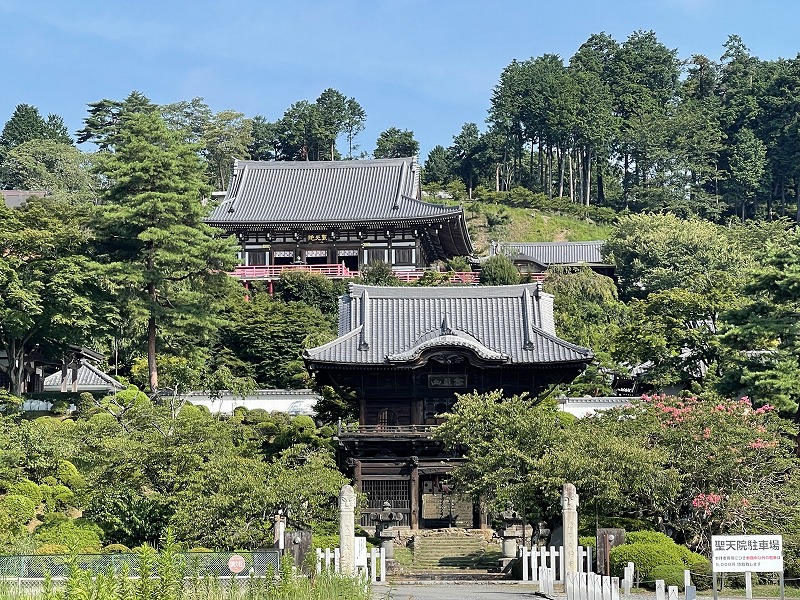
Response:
column 741, row 553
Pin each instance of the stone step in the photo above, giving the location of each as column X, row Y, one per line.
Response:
column 451, row 552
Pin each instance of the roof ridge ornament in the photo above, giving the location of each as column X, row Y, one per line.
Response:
column 364, row 345
column 445, row 328
column 527, row 318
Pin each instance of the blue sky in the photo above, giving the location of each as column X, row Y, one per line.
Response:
column 428, row 66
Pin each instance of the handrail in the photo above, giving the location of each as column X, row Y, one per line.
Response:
column 355, row 428
column 340, row 271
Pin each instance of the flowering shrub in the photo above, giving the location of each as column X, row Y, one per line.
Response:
column 735, row 463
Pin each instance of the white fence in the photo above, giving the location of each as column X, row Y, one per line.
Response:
column 375, row 568
column 591, row 586
column 552, row 558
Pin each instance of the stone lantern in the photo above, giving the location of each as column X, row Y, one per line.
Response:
column 384, row 521
column 510, row 531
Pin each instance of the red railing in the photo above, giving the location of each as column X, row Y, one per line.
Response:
column 339, row 271
column 334, row 271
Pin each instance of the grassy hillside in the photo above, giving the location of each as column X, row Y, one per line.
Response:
column 496, row 222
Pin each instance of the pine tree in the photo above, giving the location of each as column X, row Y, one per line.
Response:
column 168, row 264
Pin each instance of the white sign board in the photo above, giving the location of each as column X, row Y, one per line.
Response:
column 742, row 553
column 360, row 556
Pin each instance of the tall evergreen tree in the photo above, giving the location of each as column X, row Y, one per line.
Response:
column 169, row 266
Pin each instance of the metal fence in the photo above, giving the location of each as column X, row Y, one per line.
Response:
column 217, row 564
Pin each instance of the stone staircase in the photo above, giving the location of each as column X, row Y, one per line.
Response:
column 453, row 552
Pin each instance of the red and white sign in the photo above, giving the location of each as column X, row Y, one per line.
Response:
column 236, row 564
column 742, row 553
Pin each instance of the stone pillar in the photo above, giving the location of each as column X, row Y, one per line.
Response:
column 569, row 505
column 347, row 530
column 414, row 490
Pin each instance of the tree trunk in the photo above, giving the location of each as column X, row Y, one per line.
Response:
column 588, row 178
column 151, row 355
column 15, row 353
column 797, row 195
column 601, row 194
column 571, row 179
column 560, row 151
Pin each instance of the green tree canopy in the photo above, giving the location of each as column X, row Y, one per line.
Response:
column 169, row 266
column 396, row 143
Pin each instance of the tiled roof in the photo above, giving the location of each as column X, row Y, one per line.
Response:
column 14, row 198
column 311, row 192
column 553, row 253
column 502, row 324
column 89, row 377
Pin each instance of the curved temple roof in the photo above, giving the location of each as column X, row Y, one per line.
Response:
column 395, row 325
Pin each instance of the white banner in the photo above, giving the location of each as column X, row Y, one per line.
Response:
column 742, row 553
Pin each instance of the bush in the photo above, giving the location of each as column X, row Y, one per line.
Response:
column 52, row 549
column 19, row 510
column 459, row 264
column 645, row 557
column 701, row 574
column 325, row 541
column 498, row 270
column 647, row 537
column 27, row 488
column 587, row 541
column 82, row 535
column 84, row 404
column 670, row 574
column 379, row 272
column 68, row 474
column 115, row 549
column 60, row 407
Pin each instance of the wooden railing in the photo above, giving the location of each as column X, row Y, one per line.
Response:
column 338, row 271
column 349, row 429
column 332, row 271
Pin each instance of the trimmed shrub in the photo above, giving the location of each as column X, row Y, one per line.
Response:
column 52, row 549
column 671, row 574
column 68, row 474
column 115, row 549
column 82, row 535
column 18, row 509
column 647, row 537
column 84, row 404
column 499, row 270
column 60, row 407
column 645, row 557
column 27, row 488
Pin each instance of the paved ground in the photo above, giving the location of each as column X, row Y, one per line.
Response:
column 447, row 590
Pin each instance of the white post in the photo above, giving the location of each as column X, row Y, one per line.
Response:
column 672, row 592
column 627, row 582
column 748, row 585
column 373, row 563
column 319, row 560
column 571, row 585
column 615, row 588
column 687, row 578
column 337, row 561
column 606, row 587
column 561, row 563
column 383, row 565
column 660, row 591
column 598, row 587
column 524, row 555
column 584, row 589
